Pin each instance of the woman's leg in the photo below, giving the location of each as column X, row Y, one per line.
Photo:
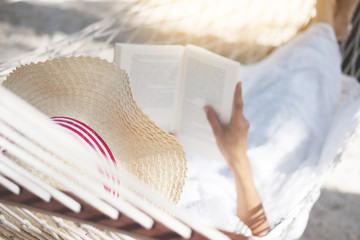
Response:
column 344, row 11
column 325, row 11
column 337, row 13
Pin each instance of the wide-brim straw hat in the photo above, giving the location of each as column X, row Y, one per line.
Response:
column 98, row 94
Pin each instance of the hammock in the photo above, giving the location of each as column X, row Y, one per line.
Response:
column 141, row 22
column 214, row 25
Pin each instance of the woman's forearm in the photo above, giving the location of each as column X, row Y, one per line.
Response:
column 249, row 206
column 231, row 139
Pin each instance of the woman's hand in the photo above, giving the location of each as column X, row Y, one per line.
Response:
column 231, row 138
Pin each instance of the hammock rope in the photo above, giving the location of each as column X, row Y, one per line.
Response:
column 161, row 22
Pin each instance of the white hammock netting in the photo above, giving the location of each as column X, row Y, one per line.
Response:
column 244, row 30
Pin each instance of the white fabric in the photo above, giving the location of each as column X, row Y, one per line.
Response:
column 346, row 123
column 289, row 100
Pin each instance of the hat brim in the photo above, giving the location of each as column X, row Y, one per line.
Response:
column 98, row 94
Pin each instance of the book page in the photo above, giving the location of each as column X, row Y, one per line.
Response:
column 208, row 79
column 154, row 78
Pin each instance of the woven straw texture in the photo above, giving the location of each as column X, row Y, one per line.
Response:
column 98, row 94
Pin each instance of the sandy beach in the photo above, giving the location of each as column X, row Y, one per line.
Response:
column 25, row 26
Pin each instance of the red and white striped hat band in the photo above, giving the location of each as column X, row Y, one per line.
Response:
column 91, row 139
column 86, row 135
column 83, row 133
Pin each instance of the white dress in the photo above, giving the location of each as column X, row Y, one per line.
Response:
column 289, row 100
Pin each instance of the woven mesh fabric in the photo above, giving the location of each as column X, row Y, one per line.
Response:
column 246, row 30
column 350, row 47
column 98, row 94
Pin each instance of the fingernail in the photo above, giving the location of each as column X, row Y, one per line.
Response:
column 206, row 109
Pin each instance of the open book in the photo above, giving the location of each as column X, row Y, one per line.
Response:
column 173, row 83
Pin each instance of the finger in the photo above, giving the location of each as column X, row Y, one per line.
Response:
column 213, row 120
column 237, row 111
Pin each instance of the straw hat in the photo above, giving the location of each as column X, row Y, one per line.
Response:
column 97, row 93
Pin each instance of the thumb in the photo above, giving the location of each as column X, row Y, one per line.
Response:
column 213, row 120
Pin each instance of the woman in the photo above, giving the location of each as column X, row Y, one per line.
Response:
column 289, row 98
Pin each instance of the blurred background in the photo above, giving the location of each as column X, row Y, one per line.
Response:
column 37, row 30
